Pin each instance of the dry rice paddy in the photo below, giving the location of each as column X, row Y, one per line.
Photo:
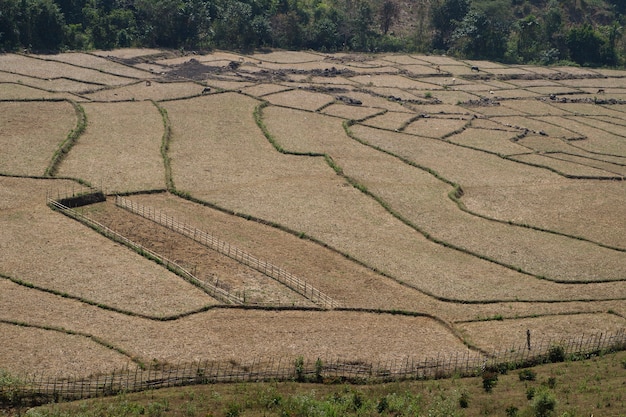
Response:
column 479, row 207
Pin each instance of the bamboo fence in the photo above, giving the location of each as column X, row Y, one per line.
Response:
column 41, row 388
column 288, row 279
column 208, row 287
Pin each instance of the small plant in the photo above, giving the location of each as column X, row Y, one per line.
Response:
column 543, row 404
column 232, row 410
column 9, row 388
column 511, row 411
column 299, row 369
column 551, row 383
column 428, row 95
column 490, row 379
column 527, row 375
column 624, row 363
column 556, row 354
column 464, row 399
column 383, row 405
column 319, row 367
column 530, row 393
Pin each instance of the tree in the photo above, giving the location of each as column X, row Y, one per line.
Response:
column 174, row 23
column 479, row 37
column 41, row 24
column 235, row 26
column 445, row 15
column 287, row 31
column 586, row 46
column 529, row 38
column 9, row 29
column 389, row 11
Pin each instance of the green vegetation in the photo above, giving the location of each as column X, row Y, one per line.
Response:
column 594, row 386
column 515, row 31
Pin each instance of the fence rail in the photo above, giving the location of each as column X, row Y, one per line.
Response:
column 214, row 291
column 40, row 388
column 296, row 284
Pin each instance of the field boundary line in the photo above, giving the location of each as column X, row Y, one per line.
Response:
column 284, row 277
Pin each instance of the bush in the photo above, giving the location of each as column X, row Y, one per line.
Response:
column 511, row 411
column 527, row 375
column 490, row 379
column 9, row 388
column 299, row 364
column 464, row 400
column 543, row 404
column 556, row 354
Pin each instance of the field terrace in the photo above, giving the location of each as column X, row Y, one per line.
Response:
column 443, row 209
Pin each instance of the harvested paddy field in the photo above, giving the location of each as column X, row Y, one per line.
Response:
column 367, row 208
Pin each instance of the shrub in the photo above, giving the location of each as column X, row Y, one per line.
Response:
column 543, row 404
column 319, row 367
column 299, row 369
column 527, row 375
column 382, row 406
column 511, row 411
column 232, row 410
column 464, row 400
column 556, row 354
column 9, row 388
column 530, row 393
column 490, row 379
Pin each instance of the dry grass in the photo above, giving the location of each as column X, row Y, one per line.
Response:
column 30, row 133
column 260, row 90
column 144, row 91
column 535, row 125
column 592, row 160
column 353, row 112
column 393, row 81
column 80, row 59
column 10, row 91
column 504, row 334
column 220, row 155
column 204, row 263
column 236, row 334
column 126, row 137
column 390, row 120
column 435, row 127
column 498, row 141
column 552, row 257
column 69, row 257
column 63, row 86
column 533, row 107
column 594, row 217
column 38, row 68
column 588, row 168
column 596, row 140
column 127, row 53
column 29, row 350
column 300, row 99
column 288, row 57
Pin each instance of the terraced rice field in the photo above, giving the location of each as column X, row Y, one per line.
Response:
column 479, row 205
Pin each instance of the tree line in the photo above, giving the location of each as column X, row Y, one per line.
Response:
column 513, row 31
